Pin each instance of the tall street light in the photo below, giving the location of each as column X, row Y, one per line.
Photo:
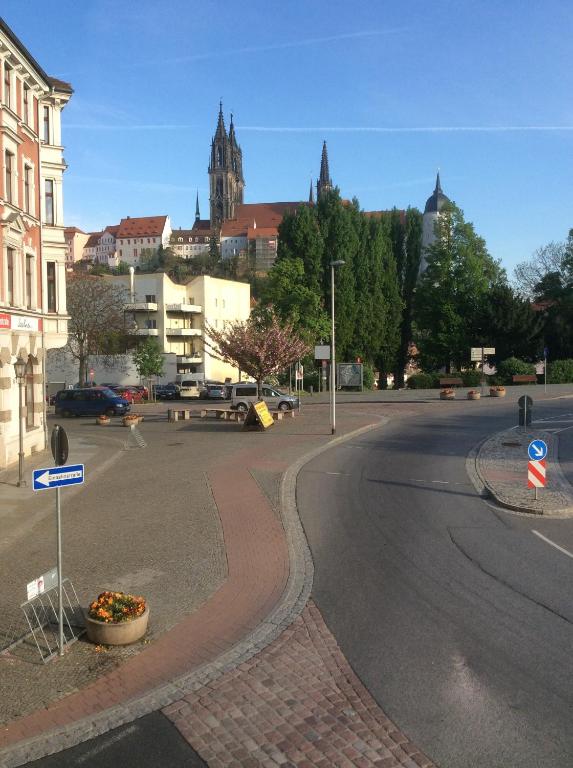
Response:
column 20, row 368
column 333, row 264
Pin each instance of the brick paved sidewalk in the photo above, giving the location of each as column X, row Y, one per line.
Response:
column 297, row 703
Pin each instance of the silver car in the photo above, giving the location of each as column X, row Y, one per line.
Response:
column 242, row 395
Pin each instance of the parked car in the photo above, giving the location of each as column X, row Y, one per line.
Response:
column 242, row 395
column 190, row 388
column 166, row 392
column 131, row 394
column 213, row 392
column 143, row 389
column 91, row 401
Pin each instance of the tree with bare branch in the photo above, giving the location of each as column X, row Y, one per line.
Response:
column 261, row 346
column 96, row 325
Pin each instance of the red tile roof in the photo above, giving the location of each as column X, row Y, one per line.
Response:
column 73, row 230
column 254, row 232
column 263, row 214
column 144, row 226
column 202, row 226
column 93, row 239
column 113, row 229
column 381, row 214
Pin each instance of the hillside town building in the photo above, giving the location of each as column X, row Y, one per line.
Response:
column 32, row 246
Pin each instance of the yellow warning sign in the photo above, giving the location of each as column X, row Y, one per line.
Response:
column 258, row 417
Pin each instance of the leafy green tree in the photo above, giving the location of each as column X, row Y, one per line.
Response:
column 148, row 359
column 294, row 300
column 408, row 255
column 459, row 274
column 506, row 321
column 341, row 242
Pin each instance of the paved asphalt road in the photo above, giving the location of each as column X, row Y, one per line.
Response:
column 454, row 614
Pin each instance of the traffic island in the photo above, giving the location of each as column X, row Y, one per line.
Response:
column 501, row 466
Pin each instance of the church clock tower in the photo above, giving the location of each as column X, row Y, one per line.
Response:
column 226, row 182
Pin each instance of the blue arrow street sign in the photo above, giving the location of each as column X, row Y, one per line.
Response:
column 55, row 477
column 537, row 450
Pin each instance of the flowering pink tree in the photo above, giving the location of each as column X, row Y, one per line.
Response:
column 260, row 346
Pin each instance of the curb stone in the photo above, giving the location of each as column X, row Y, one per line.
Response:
column 290, row 605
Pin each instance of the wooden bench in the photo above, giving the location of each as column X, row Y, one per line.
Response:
column 451, row 382
column 524, row 378
column 280, row 415
column 175, row 414
column 223, row 413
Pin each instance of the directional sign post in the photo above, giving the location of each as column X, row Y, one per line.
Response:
column 536, row 467
column 58, row 477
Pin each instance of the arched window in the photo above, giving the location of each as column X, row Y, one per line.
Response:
column 219, row 156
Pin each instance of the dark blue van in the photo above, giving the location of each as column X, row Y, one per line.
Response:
column 92, row 401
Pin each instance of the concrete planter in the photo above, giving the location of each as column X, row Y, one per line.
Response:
column 123, row 633
column 474, row 395
column 127, row 421
column 447, row 394
column 497, row 392
column 103, row 420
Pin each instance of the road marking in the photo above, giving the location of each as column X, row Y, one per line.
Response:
column 553, row 544
column 335, row 473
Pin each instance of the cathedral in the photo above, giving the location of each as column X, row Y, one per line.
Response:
column 243, row 227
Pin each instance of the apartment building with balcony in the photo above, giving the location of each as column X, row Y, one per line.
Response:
column 32, row 246
column 176, row 315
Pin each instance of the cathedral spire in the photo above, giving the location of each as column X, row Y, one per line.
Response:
column 311, row 193
column 221, row 132
column 232, row 137
column 197, row 214
column 325, row 182
column 438, row 187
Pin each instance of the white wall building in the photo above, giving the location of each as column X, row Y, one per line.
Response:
column 176, row 316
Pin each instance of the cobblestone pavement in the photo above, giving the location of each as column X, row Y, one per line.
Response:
column 297, row 703
column 501, row 465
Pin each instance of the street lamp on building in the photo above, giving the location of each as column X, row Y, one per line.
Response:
column 20, row 368
column 333, row 264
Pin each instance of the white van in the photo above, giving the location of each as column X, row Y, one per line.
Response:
column 242, row 395
column 189, row 388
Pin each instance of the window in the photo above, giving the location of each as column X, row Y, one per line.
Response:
column 9, row 175
column 7, row 84
column 26, row 104
column 51, row 283
column 151, row 323
column 29, row 273
column 135, row 253
column 49, row 202
column 10, row 253
column 129, row 242
column 46, row 125
column 27, row 189
column 150, row 298
column 120, row 253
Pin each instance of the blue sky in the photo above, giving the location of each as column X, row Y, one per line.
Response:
column 479, row 88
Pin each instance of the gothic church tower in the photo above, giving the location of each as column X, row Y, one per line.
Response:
column 324, row 183
column 226, row 182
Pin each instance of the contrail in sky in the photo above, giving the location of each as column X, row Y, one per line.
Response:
column 291, row 44
column 325, row 129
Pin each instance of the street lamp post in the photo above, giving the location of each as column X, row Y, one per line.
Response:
column 333, row 264
column 20, row 368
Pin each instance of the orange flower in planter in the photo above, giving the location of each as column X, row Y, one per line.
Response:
column 115, row 607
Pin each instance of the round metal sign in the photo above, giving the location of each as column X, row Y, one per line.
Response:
column 524, row 401
column 537, row 450
column 59, row 445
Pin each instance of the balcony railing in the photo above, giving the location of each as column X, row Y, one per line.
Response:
column 195, row 357
column 147, row 332
column 183, row 331
column 183, row 307
column 142, row 306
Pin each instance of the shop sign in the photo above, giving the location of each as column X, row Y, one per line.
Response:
column 20, row 322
